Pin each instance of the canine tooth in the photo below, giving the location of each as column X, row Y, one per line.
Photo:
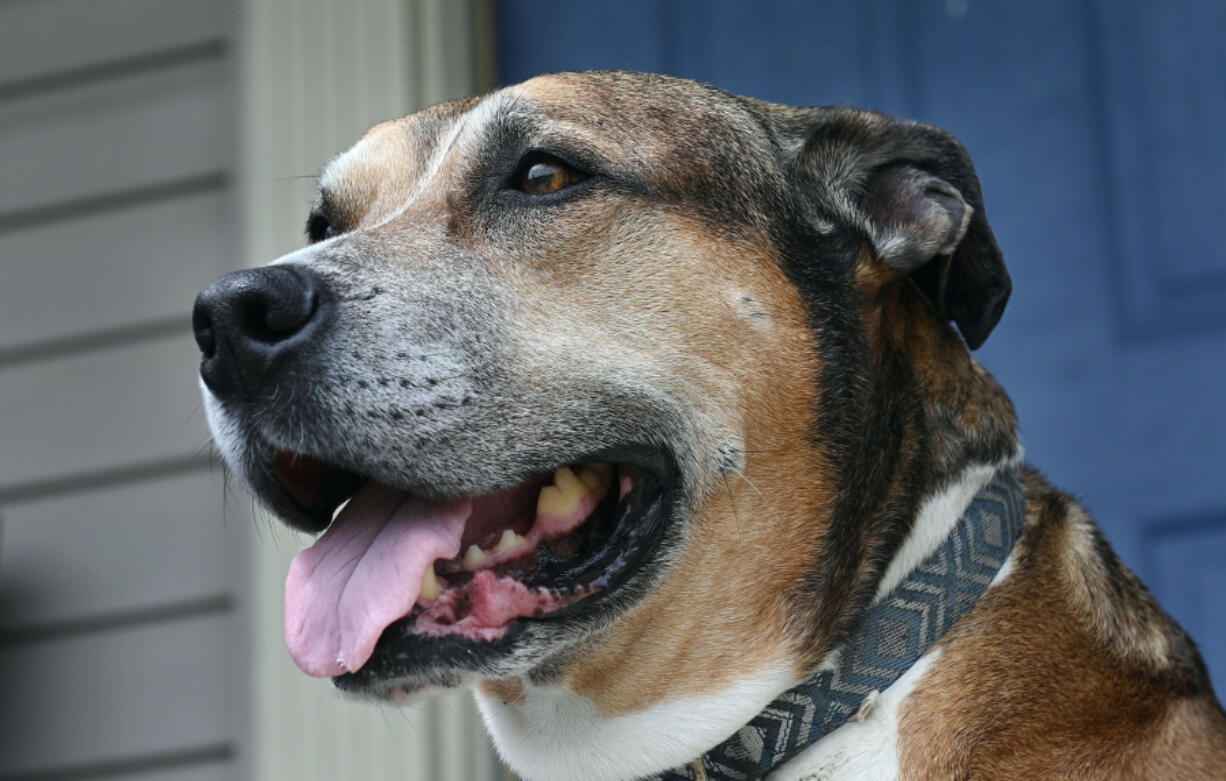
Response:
column 429, row 586
column 474, row 556
column 509, row 541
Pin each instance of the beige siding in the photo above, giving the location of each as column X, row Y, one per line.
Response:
column 147, row 146
column 117, row 692
column 122, row 654
column 46, row 40
column 119, row 549
column 144, row 259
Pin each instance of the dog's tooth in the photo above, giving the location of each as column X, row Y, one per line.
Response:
column 429, row 586
column 509, row 541
column 473, row 557
column 553, row 501
column 566, row 480
column 590, row 478
column 564, row 495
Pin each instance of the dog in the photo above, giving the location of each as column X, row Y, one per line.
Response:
column 631, row 403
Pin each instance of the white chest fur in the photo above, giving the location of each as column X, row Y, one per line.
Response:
column 553, row 733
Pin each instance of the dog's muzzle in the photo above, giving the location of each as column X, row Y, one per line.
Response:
column 250, row 323
column 440, row 551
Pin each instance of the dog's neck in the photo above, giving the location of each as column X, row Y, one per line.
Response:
column 923, row 414
column 918, row 602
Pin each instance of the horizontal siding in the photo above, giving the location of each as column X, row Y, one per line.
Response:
column 202, row 763
column 108, row 138
column 121, row 641
column 110, row 695
column 115, row 552
column 111, row 270
column 133, row 404
column 39, row 38
column 189, row 768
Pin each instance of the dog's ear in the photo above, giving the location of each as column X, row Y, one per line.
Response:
column 911, row 189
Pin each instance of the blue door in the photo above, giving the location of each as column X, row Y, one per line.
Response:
column 1097, row 130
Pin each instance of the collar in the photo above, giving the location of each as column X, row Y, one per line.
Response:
column 895, row 632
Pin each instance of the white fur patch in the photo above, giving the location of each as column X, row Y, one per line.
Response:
column 557, row 734
column 860, row 749
column 936, row 519
column 226, row 434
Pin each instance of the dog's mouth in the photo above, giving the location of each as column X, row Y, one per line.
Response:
column 397, row 564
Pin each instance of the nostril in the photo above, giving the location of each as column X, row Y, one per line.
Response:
column 271, row 319
column 274, row 304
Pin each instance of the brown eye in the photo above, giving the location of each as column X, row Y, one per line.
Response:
column 545, row 175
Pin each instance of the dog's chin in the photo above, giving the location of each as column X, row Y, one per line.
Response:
column 543, row 563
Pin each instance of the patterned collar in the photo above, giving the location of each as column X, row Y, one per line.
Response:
column 896, row 631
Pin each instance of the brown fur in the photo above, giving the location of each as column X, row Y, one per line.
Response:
column 714, row 269
column 509, row 690
column 1041, row 680
column 761, row 519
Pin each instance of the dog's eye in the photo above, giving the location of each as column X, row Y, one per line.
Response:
column 542, row 174
column 319, row 227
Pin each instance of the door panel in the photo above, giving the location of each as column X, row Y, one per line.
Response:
column 1162, row 97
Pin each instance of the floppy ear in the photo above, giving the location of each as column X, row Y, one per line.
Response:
column 912, row 189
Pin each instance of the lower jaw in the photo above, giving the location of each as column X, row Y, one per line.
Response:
column 406, row 662
column 427, row 649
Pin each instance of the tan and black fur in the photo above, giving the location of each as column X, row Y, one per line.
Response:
column 764, row 295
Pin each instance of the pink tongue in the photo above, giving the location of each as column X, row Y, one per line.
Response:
column 363, row 574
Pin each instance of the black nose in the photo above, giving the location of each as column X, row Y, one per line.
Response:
column 249, row 323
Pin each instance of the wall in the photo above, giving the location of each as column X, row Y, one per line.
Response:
column 120, row 638
column 146, row 147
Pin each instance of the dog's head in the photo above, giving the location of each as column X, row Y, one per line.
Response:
column 631, row 385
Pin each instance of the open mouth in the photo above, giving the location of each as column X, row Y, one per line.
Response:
column 464, row 567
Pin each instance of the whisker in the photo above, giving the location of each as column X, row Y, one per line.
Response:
column 749, row 482
column 736, row 515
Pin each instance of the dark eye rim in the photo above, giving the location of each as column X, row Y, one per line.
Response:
column 320, row 227
column 582, row 177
